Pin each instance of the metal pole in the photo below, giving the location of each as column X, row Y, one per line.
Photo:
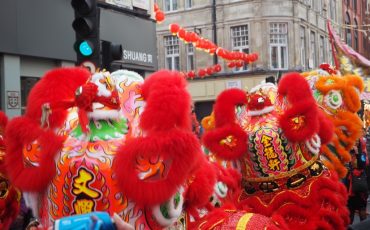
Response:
column 214, row 28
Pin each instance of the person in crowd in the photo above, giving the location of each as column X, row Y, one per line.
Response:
column 356, row 180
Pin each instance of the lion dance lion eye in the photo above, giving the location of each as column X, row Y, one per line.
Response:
column 334, row 99
column 3, row 189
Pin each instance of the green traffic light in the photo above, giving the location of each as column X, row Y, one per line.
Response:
column 86, row 48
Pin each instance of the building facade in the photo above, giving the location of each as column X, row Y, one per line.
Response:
column 365, row 29
column 354, row 16
column 287, row 35
column 37, row 36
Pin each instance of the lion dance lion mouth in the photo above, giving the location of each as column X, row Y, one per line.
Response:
column 339, row 97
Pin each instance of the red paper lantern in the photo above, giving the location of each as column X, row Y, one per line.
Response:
column 174, row 28
column 253, row 57
column 187, row 36
column 159, row 16
column 181, row 33
column 201, row 73
column 228, row 55
column 217, row 68
column 239, row 64
column 191, row 74
column 156, row 7
column 246, row 58
column 194, row 37
column 231, row 64
column 209, row 70
column 220, row 52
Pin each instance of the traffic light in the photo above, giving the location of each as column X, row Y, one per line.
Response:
column 110, row 52
column 86, row 26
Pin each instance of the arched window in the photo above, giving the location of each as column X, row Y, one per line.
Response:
column 355, row 45
column 348, row 30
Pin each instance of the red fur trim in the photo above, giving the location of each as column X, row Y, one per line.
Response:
column 224, row 109
column 3, row 120
column 181, row 149
column 168, row 102
column 295, row 87
column 309, row 126
column 212, row 140
column 9, row 208
column 231, row 177
column 58, row 84
column 202, row 187
column 326, row 130
column 325, row 201
column 20, row 132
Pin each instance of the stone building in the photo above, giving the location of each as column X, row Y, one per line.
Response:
column 288, row 35
column 354, row 16
column 366, row 29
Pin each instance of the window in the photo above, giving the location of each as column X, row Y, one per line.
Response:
column 354, row 5
column 171, row 44
column 279, row 45
column 321, row 50
column 302, row 34
column 170, row 5
column 333, row 10
column 355, row 36
column 27, row 84
column 348, row 30
column 309, row 3
column 330, row 54
column 240, row 42
column 312, row 63
column 190, row 57
column 318, row 6
column 188, row 4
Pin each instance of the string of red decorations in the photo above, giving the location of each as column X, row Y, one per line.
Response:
column 234, row 59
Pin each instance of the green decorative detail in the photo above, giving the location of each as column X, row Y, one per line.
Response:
column 164, row 210
column 335, row 98
column 104, row 129
column 177, row 199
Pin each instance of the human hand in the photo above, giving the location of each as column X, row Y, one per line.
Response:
column 121, row 224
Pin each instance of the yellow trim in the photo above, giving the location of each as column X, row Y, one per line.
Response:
column 243, row 221
column 286, row 174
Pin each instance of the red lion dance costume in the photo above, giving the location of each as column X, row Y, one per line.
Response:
column 276, row 143
column 87, row 143
column 9, row 195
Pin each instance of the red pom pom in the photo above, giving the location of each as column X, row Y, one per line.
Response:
column 170, row 156
column 228, row 142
